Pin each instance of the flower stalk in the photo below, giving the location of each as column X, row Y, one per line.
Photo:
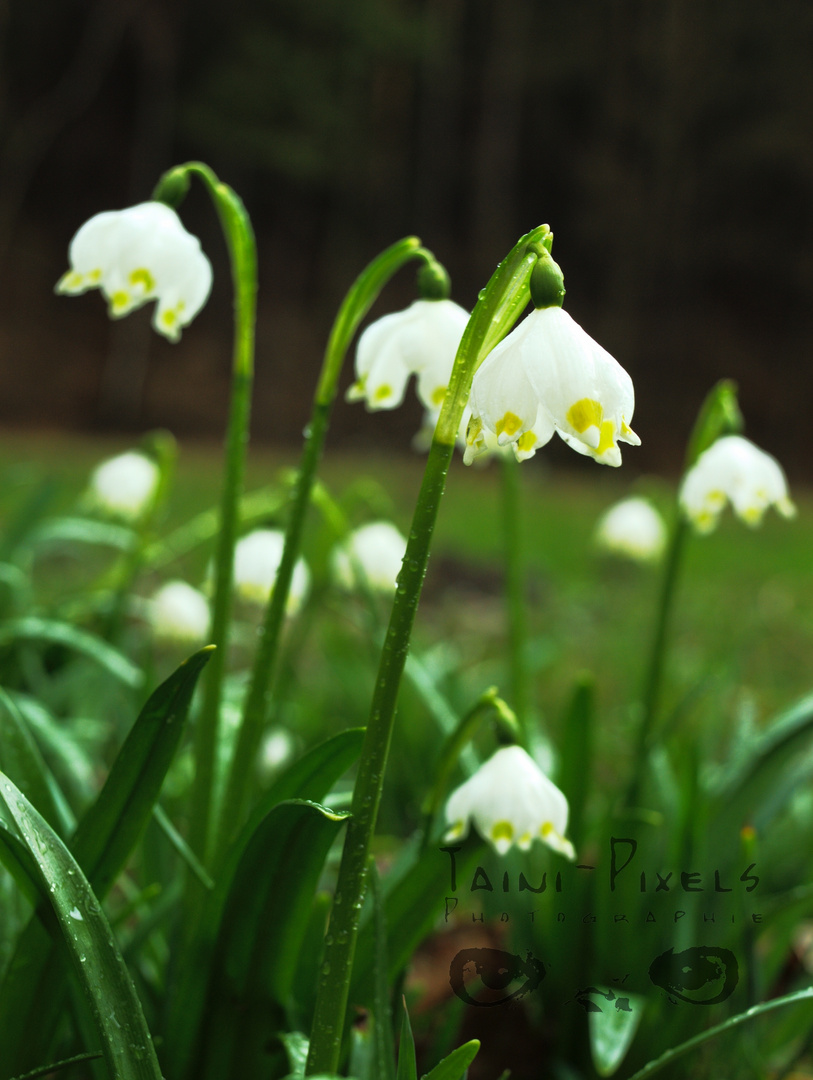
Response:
column 355, row 306
column 499, row 306
column 239, row 236
column 516, row 609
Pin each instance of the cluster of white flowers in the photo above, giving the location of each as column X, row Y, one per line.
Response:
column 256, row 562
column 546, row 376
column 124, row 486
column 140, row 254
column 510, row 801
column 734, row 470
column 632, row 528
column 374, row 552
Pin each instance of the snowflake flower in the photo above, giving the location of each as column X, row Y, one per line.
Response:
column 374, row 551
column 256, row 562
column 634, row 528
column 179, row 613
column 510, row 801
column 548, row 376
column 140, row 254
column 733, row 469
column 421, row 341
column 123, row 486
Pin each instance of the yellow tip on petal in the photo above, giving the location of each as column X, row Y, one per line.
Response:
column 438, row 395
column 381, row 393
column 585, row 414
column 508, row 425
column 502, row 833
column 142, row 279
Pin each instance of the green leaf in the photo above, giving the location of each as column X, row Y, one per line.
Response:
column 407, row 1065
column 100, row 970
column 52, row 632
column 310, row 778
column 78, row 530
column 756, row 788
column 32, row 987
column 22, row 762
column 259, row 938
column 611, row 1032
column 734, row 1021
column 454, row 1065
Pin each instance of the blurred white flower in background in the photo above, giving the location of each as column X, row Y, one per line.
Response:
column 179, row 613
column 421, row 341
column 256, row 562
column 376, row 551
column 549, row 375
column 125, row 485
column 633, row 528
column 733, row 470
column 510, row 801
column 139, row 254
column 275, row 750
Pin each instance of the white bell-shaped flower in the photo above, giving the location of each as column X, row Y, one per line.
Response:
column 734, row 470
column 421, row 341
column 374, row 552
column 632, row 528
column 549, row 375
column 510, row 801
column 256, row 562
column 123, row 486
column 140, row 254
column 179, row 613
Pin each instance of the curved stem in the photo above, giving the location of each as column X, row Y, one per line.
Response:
column 354, row 307
column 499, row 306
column 240, row 242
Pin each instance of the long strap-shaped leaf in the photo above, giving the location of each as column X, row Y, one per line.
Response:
column 310, row 778
column 32, row 988
column 125, row 1039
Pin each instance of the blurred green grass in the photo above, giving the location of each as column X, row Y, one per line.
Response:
column 742, row 634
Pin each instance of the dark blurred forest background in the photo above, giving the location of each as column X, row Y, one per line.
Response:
column 669, row 144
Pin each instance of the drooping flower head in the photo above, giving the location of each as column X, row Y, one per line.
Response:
column 375, row 551
column 421, row 341
column 179, row 613
column 510, row 801
column 123, row 486
column 140, row 254
column 632, row 528
column 256, row 562
column 734, row 470
column 548, row 376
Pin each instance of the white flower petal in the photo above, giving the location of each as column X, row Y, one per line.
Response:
column 124, row 485
column 256, row 562
column 510, row 801
column 733, row 469
column 633, row 528
column 140, row 254
column 179, row 613
column 376, row 551
column 421, row 340
column 548, row 373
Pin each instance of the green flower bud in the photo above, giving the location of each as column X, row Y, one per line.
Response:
column 433, row 281
column 547, row 282
column 172, row 187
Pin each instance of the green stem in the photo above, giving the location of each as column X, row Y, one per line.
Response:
column 354, row 307
column 515, row 589
column 240, row 242
column 499, row 306
column 650, row 697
